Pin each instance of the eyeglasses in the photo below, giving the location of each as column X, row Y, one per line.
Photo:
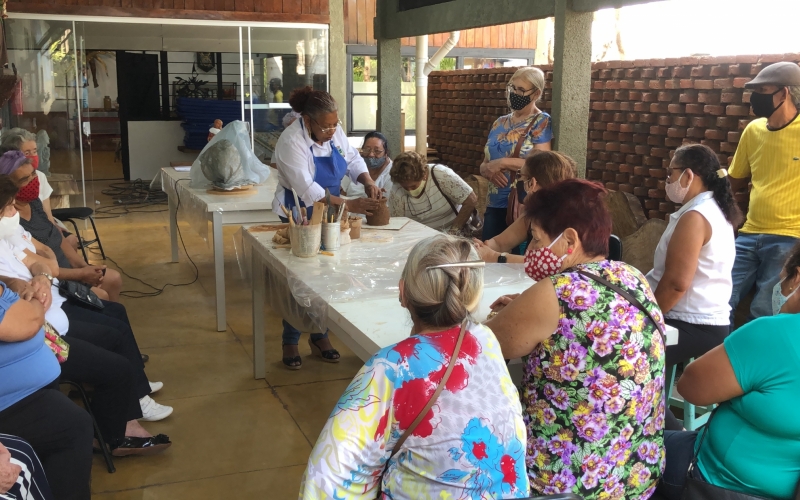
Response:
column 328, row 130
column 375, row 151
column 670, row 170
column 518, row 90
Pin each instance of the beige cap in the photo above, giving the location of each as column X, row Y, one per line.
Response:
column 782, row 74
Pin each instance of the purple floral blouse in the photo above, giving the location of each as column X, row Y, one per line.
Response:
column 593, row 393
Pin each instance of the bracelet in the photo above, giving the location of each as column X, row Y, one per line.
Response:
column 49, row 278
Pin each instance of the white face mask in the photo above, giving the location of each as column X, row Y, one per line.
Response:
column 778, row 299
column 675, row 192
column 8, row 226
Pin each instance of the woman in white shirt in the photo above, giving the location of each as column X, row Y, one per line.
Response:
column 432, row 195
column 375, row 152
column 313, row 155
column 691, row 273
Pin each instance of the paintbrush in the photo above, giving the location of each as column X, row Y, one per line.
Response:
column 341, row 211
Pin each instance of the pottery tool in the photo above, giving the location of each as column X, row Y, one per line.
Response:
column 303, row 213
column 296, row 215
column 296, row 199
column 317, row 213
column 329, row 254
column 288, row 215
column 341, row 212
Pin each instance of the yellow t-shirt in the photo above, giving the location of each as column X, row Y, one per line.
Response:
column 772, row 160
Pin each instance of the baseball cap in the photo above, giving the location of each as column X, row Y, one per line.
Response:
column 783, row 74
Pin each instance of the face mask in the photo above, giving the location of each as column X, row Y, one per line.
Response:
column 675, row 192
column 541, row 263
column 34, row 161
column 8, row 226
column 29, row 192
column 517, row 101
column 762, row 104
column 419, row 190
column 373, row 162
column 778, row 300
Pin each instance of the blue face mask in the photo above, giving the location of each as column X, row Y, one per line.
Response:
column 373, row 162
column 778, row 299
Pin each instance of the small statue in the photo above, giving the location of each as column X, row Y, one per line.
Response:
column 43, row 147
column 215, row 129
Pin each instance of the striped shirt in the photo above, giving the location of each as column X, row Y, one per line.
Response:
column 431, row 208
column 772, row 159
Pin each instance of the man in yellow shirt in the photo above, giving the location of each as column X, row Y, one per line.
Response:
column 768, row 155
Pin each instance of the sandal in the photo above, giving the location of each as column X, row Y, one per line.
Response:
column 141, row 446
column 329, row 356
column 292, row 363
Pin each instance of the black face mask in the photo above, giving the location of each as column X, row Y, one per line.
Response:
column 517, row 101
column 762, row 104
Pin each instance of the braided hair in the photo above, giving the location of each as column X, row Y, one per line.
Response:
column 443, row 297
column 703, row 161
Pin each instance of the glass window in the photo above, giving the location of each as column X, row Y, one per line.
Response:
column 481, row 62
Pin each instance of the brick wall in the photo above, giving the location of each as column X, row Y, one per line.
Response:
column 641, row 111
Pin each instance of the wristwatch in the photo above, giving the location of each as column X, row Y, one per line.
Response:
column 501, row 259
column 48, row 276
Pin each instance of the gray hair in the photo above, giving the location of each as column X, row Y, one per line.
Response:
column 794, row 91
column 14, row 138
column 532, row 75
column 442, row 298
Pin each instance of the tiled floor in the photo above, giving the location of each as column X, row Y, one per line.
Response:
column 234, row 436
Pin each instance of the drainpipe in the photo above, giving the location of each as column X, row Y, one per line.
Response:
column 424, row 67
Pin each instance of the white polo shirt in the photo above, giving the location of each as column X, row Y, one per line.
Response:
column 295, row 161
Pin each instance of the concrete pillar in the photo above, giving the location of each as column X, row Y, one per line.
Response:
column 572, row 80
column 389, row 71
column 337, row 66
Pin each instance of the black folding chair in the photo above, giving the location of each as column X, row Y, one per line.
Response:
column 80, row 213
column 99, row 435
column 614, row 248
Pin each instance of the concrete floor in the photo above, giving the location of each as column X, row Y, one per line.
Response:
column 233, row 436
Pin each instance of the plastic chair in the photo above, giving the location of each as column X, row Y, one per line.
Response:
column 614, row 248
column 80, row 213
column 106, row 453
column 694, row 417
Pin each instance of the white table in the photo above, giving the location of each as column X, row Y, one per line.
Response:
column 367, row 316
column 199, row 206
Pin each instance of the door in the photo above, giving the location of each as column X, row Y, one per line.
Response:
column 138, row 86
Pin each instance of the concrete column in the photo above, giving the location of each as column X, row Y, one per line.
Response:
column 572, row 80
column 337, row 53
column 389, row 71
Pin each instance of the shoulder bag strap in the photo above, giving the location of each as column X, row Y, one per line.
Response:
column 521, row 140
column 439, row 388
column 449, row 201
column 625, row 294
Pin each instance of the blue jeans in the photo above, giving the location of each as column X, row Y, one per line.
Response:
column 679, row 447
column 291, row 335
column 759, row 260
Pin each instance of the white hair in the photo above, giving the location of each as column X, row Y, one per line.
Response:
column 531, row 75
column 14, row 138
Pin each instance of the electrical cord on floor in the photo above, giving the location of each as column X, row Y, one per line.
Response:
column 135, row 294
column 132, row 197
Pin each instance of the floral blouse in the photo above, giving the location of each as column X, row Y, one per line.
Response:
column 593, row 393
column 503, row 139
column 470, row 445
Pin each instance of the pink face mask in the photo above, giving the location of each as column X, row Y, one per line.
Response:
column 541, row 263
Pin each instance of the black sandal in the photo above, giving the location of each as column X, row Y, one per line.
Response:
column 293, row 363
column 141, row 446
column 329, row 356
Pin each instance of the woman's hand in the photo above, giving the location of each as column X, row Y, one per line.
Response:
column 364, row 206
column 503, row 301
column 8, row 472
column 373, row 191
column 486, row 252
column 41, row 286
column 93, row 275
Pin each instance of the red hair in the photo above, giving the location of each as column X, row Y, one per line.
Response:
column 574, row 203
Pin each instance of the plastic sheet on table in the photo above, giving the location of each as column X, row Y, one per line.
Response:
column 367, row 269
column 243, row 249
column 249, row 171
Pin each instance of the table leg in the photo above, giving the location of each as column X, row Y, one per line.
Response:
column 219, row 269
column 173, row 222
column 258, row 282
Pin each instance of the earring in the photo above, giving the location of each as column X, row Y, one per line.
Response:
column 569, row 251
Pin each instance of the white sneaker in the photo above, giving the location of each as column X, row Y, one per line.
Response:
column 155, row 387
column 152, row 411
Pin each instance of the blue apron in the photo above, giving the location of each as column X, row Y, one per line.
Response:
column 330, row 170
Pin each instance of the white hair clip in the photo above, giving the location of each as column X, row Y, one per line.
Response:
column 471, row 263
column 722, row 173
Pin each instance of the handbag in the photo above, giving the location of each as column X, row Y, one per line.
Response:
column 624, row 293
column 80, row 293
column 56, row 344
column 513, row 196
column 474, row 224
column 431, row 402
column 697, row 489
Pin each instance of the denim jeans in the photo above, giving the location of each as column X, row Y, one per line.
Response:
column 759, row 260
column 291, row 335
column 679, row 447
column 494, row 222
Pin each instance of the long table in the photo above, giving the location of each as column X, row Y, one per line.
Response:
column 354, row 293
column 199, row 206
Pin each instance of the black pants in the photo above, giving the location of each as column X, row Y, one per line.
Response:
column 112, row 316
column 32, row 482
column 679, row 448
column 60, row 433
column 113, row 401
